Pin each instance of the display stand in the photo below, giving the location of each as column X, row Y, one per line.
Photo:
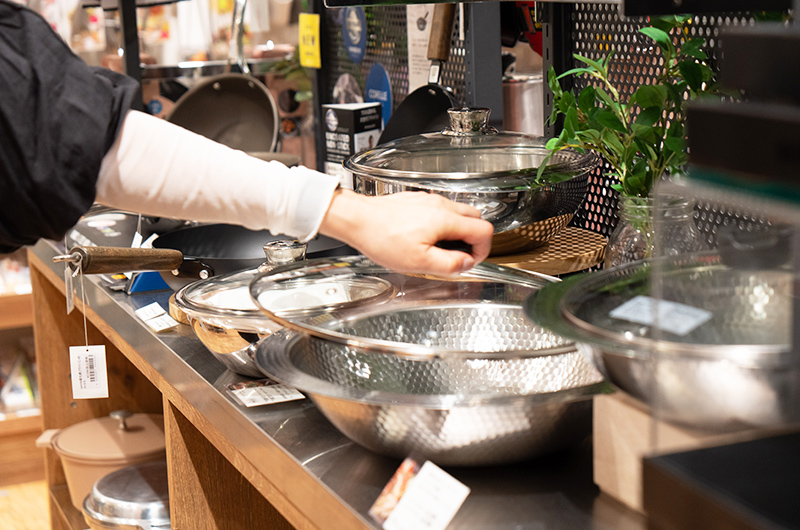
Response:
column 571, row 250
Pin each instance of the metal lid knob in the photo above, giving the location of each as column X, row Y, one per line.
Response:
column 467, row 120
column 121, row 416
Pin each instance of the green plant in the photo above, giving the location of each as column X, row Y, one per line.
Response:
column 642, row 136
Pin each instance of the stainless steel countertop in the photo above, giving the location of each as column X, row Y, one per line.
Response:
column 551, row 492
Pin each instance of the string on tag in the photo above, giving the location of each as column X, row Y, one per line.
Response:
column 83, row 301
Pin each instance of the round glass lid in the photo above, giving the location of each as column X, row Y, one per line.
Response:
column 704, row 308
column 479, row 311
column 469, row 149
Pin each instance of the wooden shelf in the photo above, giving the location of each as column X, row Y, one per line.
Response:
column 62, row 508
column 20, row 459
column 16, row 311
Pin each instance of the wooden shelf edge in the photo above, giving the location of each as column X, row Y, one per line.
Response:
column 16, row 311
column 62, row 508
column 13, row 424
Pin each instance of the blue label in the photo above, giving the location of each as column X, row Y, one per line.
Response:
column 354, row 33
column 378, row 88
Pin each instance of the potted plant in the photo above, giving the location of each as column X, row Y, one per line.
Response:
column 642, row 136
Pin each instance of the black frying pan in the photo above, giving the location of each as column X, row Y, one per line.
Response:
column 425, row 109
column 233, row 109
column 196, row 252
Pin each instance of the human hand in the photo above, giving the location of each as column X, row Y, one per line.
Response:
column 400, row 231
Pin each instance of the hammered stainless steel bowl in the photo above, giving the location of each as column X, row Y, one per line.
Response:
column 719, row 360
column 456, row 410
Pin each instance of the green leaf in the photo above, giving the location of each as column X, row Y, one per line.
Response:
column 649, row 116
column 660, row 37
column 570, row 122
column 610, row 120
column 692, row 73
column 675, row 144
column 552, row 80
column 650, row 96
column 617, row 187
column 586, row 100
column 692, row 48
column 566, row 102
column 607, row 99
column 612, row 141
column 574, row 71
column 594, row 64
column 552, row 143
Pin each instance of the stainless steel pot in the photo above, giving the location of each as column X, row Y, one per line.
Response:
column 496, row 172
column 523, row 103
column 132, row 498
column 732, row 370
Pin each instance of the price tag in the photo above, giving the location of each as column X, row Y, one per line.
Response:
column 419, row 498
column 150, row 311
column 263, row 392
column 161, row 323
column 679, row 319
column 68, row 289
column 309, row 50
column 88, row 372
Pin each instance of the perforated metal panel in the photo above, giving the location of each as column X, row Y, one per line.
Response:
column 387, row 45
column 596, row 29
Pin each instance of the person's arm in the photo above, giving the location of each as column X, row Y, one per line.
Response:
column 160, row 169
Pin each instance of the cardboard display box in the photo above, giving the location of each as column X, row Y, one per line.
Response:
column 349, row 129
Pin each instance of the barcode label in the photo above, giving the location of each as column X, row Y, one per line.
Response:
column 88, row 372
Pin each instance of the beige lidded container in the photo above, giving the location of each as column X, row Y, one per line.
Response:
column 92, row 449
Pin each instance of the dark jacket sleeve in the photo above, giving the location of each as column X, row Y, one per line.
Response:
column 58, row 118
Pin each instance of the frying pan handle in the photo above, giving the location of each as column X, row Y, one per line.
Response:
column 110, row 260
column 236, row 45
column 444, row 16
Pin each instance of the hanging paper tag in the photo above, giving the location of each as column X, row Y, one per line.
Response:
column 68, row 289
column 88, row 372
column 419, row 498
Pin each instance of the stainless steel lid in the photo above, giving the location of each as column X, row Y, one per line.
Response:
column 477, row 313
column 469, row 155
column 136, row 495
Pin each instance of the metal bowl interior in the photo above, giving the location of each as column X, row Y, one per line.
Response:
column 735, row 370
column 454, row 411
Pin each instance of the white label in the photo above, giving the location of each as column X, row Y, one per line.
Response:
column 68, row 290
column 679, row 319
column 430, row 501
column 161, row 323
column 265, row 392
column 150, row 311
column 418, row 23
column 87, row 366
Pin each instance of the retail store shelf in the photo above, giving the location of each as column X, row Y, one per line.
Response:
column 16, row 311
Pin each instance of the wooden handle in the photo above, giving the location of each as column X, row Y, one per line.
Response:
column 110, row 260
column 444, row 17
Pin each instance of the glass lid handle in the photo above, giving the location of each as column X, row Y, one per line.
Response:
column 282, row 252
column 468, row 121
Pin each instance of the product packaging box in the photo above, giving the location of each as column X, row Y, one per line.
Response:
column 349, row 129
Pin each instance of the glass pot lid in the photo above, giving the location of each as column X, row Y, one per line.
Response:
column 469, row 154
column 705, row 309
column 476, row 313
